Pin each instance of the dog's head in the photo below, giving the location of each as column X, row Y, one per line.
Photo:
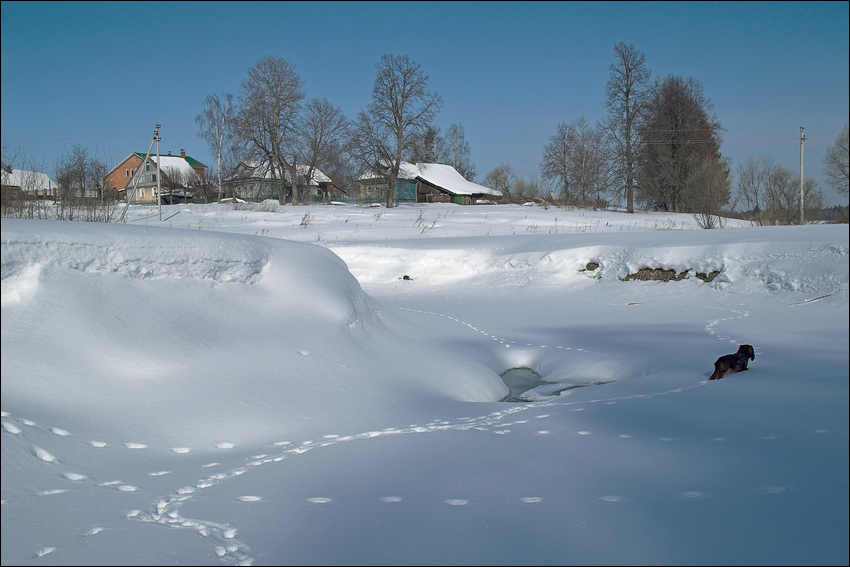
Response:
column 747, row 350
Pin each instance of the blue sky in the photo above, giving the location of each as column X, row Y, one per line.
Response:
column 103, row 74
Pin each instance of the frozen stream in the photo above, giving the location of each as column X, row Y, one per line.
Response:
column 519, row 380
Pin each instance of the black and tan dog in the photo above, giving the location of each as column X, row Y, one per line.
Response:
column 733, row 362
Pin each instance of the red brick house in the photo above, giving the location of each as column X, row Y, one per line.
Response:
column 120, row 176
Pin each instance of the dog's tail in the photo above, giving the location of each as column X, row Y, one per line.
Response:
column 717, row 372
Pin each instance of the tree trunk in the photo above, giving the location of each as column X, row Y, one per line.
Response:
column 293, row 179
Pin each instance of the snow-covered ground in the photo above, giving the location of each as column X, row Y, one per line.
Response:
column 321, row 385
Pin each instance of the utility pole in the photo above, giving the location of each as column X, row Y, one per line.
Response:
column 138, row 175
column 158, row 185
column 802, row 194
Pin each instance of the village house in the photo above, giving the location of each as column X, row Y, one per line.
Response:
column 24, row 184
column 427, row 183
column 255, row 181
column 178, row 174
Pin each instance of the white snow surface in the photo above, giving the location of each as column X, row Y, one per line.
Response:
column 235, row 385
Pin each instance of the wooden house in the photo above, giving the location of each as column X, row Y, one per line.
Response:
column 427, row 183
column 255, row 181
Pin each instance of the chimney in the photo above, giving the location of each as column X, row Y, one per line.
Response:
column 169, row 152
column 183, row 153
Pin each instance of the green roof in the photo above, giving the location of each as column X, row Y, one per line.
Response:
column 192, row 161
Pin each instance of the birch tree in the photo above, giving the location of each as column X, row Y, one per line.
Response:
column 627, row 93
column 215, row 122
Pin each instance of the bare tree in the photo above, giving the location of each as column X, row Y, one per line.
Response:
column 529, row 189
column 325, row 133
column 343, row 169
column 713, row 188
column 503, row 179
column 577, row 157
column 428, row 148
column 752, row 183
column 34, row 198
column 837, row 163
column 400, row 112
column 80, row 175
column 266, row 122
column 681, row 139
column 627, row 95
column 556, row 159
column 772, row 192
column 456, row 152
column 451, row 149
column 216, row 127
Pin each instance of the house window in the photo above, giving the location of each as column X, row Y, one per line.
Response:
column 153, row 177
column 127, row 172
column 141, row 193
column 147, row 167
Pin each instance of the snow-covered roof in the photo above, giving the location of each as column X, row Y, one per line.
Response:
column 443, row 176
column 174, row 166
column 28, row 180
column 256, row 166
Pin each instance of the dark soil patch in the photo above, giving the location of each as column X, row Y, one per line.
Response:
column 657, row 274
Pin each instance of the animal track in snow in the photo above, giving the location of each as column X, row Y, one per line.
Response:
column 43, row 455
column 51, row 492
column 74, row 476
column 166, row 509
column 503, row 341
column 319, row 500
